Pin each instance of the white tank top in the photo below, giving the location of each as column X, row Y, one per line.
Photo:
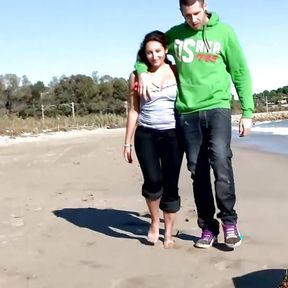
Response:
column 159, row 112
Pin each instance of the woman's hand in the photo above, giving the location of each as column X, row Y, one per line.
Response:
column 128, row 153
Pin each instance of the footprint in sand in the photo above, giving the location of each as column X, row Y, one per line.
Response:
column 3, row 240
column 17, row 221
column 224, row 264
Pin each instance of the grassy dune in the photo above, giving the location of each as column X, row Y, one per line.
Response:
column 12, row 125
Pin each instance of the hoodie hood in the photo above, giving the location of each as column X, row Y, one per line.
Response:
column 213, row 19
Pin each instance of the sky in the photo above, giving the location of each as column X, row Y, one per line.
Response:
column 46, row 38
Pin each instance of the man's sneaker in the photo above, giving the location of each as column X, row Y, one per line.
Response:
column 232, row 236
column 207, row 239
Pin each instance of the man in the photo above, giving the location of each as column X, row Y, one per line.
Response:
column 208, row 56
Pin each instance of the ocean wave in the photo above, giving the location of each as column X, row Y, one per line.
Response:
column 277, row 127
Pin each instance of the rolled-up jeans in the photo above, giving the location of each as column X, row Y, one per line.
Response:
column 160, row 154
column 207, row 138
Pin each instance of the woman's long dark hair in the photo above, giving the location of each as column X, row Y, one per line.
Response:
column 152, row 36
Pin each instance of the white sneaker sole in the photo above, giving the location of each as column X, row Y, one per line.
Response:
column 234, row 245
column 206, row 246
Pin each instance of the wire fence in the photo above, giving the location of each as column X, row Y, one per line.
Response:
column 10, row 124
column 48, row 107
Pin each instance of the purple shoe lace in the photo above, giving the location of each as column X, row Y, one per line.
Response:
column 231, row 231
column 207, row 235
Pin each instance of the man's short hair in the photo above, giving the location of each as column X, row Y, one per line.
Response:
column 189, row 2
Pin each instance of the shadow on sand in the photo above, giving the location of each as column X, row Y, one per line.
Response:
column 270, row 278
column 111, row 222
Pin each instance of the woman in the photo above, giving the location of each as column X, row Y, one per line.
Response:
column 156, row 143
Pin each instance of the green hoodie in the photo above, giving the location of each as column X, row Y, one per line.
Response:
column 206, row 61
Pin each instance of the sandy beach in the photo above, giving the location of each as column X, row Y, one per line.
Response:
column 72, row 216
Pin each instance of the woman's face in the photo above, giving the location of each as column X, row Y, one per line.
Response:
column 155, row 53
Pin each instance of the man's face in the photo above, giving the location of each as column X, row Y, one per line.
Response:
column 195, row 15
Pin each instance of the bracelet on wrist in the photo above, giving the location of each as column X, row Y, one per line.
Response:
column 128, row 145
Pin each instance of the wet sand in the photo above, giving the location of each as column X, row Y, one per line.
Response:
column 71, row 215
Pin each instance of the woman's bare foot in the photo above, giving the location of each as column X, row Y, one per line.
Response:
column 168, row 243
column 169, row 219
column 153, row 234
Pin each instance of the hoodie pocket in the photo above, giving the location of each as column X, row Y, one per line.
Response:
column 195, row 96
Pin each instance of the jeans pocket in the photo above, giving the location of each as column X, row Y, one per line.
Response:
column 189, row 119
column 225, row 112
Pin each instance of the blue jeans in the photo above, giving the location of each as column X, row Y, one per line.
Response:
column 160, row 154
column 207, row 139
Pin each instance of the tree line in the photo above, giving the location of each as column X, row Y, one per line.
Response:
column 274, row 100
column 18, row 96
column 95, row 94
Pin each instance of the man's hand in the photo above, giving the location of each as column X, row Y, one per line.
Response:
column 245, row 125
column 144, row 85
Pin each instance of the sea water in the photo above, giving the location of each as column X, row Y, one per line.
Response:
column 268, row 136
